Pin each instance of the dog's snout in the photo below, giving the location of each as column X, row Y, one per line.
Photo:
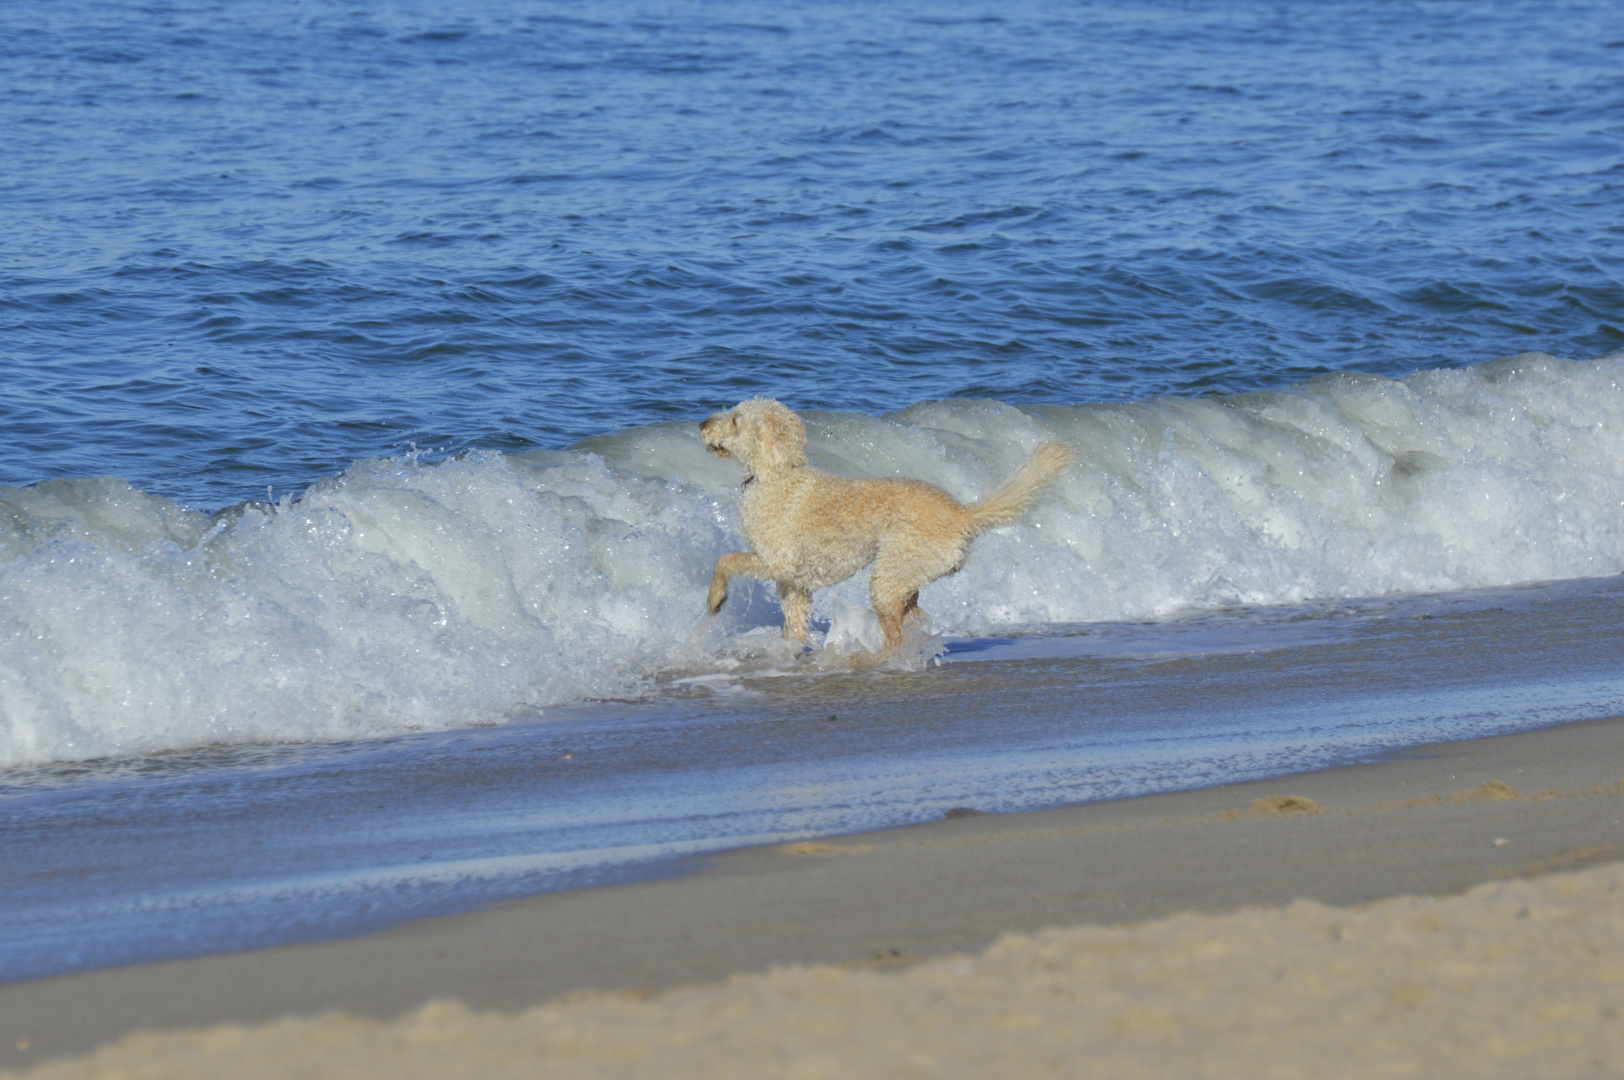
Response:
column 711, row 435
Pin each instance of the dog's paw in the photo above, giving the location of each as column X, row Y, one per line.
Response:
column 718, row 597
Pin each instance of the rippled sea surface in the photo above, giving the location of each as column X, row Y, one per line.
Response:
column 246, row 243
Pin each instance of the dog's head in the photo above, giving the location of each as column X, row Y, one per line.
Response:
column 764, row 435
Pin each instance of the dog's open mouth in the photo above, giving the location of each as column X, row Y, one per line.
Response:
column 707, row 433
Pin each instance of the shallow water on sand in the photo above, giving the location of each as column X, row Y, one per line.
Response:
column 124, row 861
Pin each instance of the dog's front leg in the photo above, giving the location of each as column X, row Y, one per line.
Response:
column 730, row 566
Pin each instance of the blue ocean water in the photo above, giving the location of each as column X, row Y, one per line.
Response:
column 351, row 357
column 248, row 243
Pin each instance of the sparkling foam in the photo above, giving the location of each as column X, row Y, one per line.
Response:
column 403, row 596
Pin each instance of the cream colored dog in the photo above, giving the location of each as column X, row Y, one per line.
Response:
column 809, row 529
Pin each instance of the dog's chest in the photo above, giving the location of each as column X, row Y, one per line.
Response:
column 765, row 510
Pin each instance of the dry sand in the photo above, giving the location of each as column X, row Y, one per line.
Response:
column 1514, row 979
column 1514, row 976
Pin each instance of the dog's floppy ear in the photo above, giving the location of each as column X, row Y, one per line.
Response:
column 780, row 438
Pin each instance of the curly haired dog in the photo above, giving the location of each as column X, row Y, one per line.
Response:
column 809, row 529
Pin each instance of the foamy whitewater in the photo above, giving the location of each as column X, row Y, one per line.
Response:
column 408, row 595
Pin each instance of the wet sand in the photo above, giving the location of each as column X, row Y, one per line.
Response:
column 923, row 951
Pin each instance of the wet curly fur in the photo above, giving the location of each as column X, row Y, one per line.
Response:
column 808, row 529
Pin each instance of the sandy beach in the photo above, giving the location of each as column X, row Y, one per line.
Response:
column 1242, row 930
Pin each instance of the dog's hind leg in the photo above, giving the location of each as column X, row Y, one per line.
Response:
column 797, row 609
column 893, row 625
column 898, row 576
column 889, row 609
column 896, row 600
column 730, row 566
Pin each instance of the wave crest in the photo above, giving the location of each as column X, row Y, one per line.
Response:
column 400, row 595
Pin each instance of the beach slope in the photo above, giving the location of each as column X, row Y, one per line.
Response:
column 1481, row 971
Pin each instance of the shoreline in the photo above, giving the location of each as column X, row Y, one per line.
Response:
column 1435, row 821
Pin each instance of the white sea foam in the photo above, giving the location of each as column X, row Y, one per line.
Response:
column 401, row 596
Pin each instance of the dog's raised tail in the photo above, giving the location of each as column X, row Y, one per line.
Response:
column 1010, row 500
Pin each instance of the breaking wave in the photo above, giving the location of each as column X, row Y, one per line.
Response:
column 405, row 595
